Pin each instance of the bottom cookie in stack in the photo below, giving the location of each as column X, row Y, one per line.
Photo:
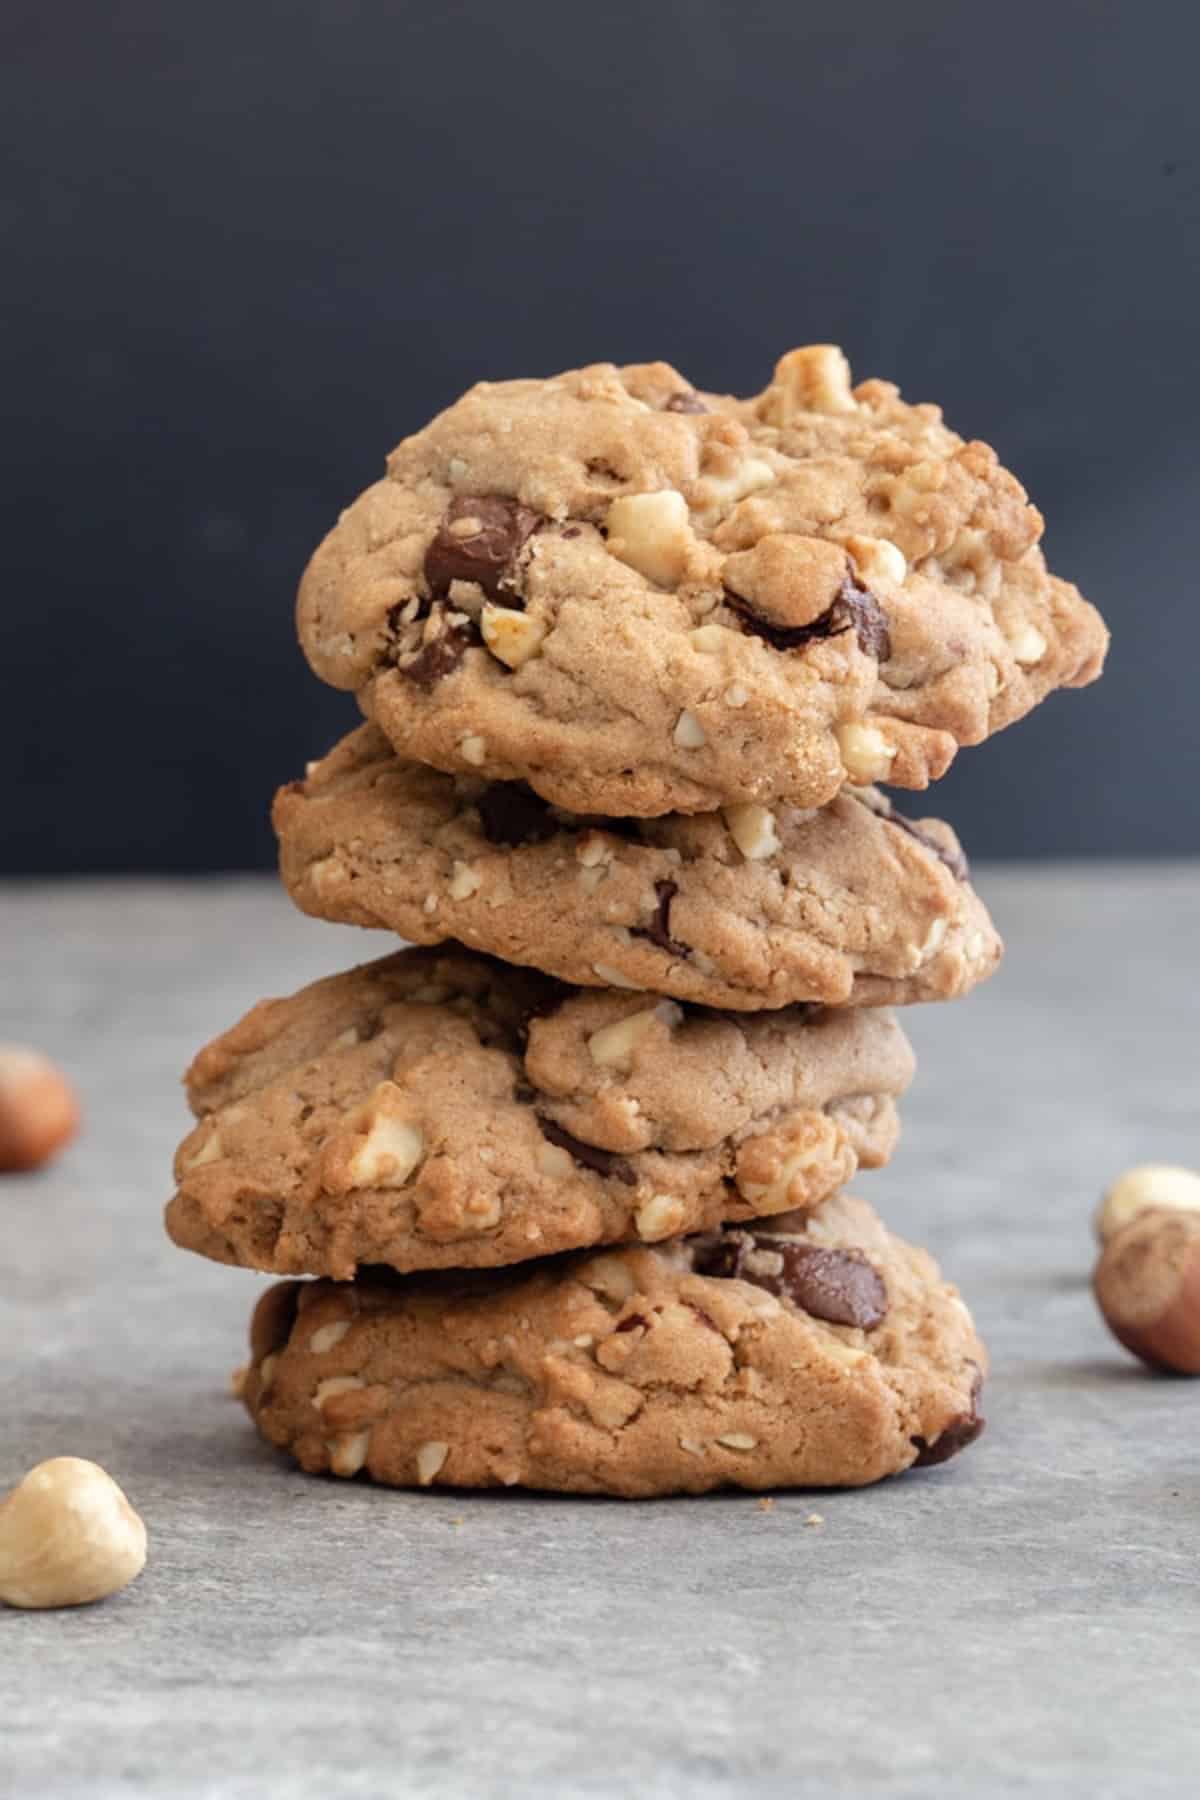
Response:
column 806, row 1350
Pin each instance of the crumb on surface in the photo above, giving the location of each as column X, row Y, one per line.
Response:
column 815, row 1519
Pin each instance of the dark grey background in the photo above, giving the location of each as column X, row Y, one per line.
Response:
column 253, row 244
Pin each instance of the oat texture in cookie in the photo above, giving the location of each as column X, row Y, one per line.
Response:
column 814, row 1351
column 641, row 599
column 440, row 1110
column 751, row 907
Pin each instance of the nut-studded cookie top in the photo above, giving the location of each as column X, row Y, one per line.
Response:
column 754, row 907
column 442, row 1110
column 641, row 599
column 816, row 1351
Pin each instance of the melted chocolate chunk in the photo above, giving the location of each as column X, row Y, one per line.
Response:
column 511, row 813
column 659, row 929
column 853, row 608
column 962, row 1430
column 588, row 1156
column 487, row 555
column 632, row 1322
column 688, row 401
column 839, row 1286
column 438, row 658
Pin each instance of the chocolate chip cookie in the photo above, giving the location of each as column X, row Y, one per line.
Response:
column 798, row 1352
column 641, row 599
column 438, row 1110
column 750, row 908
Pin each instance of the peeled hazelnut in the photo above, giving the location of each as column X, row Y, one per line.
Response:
column 1151, row 1184
column 38, row 1110
column 1147, row 1285
column 68, row 1536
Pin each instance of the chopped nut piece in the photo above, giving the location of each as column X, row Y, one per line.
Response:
column 877, row 559
column 473, row 749
column 388, row 1154
column 334, row 1385
column 1027, row 644
column 322, row 1341
column 652, row 533
column 431, row 1458
column 737, row 1440
column 511, row 636
column 752, row 829
column 815, row 378
column 614, row 1044
column 464, row 882
column 866, row 753
column 689, row 733
column 660, row 1217
column 348, row 1454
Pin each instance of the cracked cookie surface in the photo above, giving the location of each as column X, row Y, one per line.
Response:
column 438, row 1110
column 750, row 908
column 641, row 599
column 802, row 1352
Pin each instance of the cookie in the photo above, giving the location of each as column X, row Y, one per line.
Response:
column 438, row 1110
column 820, row 1352
column 640, row 599
column 847, row 904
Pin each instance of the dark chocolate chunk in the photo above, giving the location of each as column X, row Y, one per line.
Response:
column 659, row 929
column 839, row 1286
column 487, row 555
column 687, row 401
column 632, row 1322
column 437, row 658
column 853, row 608
column 962, row 1430
column 511, row 813
column 588, row 1156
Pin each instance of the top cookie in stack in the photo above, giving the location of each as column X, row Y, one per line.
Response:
column 640, row 599
column 632, row 659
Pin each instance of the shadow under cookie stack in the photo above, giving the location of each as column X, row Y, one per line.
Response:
column 569, row 1174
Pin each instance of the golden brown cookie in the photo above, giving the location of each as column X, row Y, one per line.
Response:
column 440, row 1110
column 750, row 908
column 805, row 1352
column 639, row 599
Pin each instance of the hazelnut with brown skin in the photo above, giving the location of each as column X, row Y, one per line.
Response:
column 1147, row 1285
column 38, row 1109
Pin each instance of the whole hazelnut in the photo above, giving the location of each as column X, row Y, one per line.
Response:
column 1147, row 1285
column 68, row 1536
column 1150, row 1184
column 38, row 1109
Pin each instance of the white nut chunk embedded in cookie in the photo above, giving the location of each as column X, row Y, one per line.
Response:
column 752, row 828
column 814, row 378
column 866, row 754
column 877, row 559
column 614, row 1044
column 511, row 636
column 391, row 1148
column 652, row 533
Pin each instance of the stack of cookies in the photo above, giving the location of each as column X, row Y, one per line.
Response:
column 570, row 1173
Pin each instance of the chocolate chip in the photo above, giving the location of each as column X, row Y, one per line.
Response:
column 659, row 929
column 853, row 608
column 955, row 860
column 437, row 658
column 573, row 531
column 487, row 555
column 511, row 814
column 962, row 1430
column 686, row 401
column 839, row 1286
column 588, row 1156
column 632, row 1322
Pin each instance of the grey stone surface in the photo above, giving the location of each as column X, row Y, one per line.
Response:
column 1024, row 1621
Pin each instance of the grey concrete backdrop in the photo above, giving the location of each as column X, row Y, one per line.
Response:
column 249, row 247
column 1023, row 1622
